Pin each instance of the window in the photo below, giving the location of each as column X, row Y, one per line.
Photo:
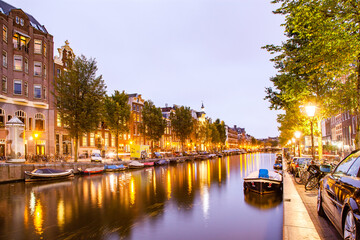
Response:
column 39, row 122
column 58, row 72
column 106, row 139
column 354, row 169
column 17, row 20
column 30, row 123
column 58, row 120
column 17, row 62
column 17, row 87
column 21, row 22
column 44, row 92
column 26, row 65
column 44, row 50
column 21, row 115
column 4, row 84
column 5, row 33
column 37, row 68
column 2, row 118
column 4, row 58
column 37, row 91
column 344, row 166
column 16, row 40
column 113, row 143
column 44, row 71
column 26, row 90
column 92, row 139
column 84, row 140
column 37, row 46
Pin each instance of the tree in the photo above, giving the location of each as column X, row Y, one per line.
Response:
column 79, row 96
column 117, row 115
column 182, row 123
column 220, row 126
column 153, row 124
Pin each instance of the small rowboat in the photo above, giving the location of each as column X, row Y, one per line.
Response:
column 93, row 170
column 263, row 181
column 161, row 162
column 148, row 164
column 136, row 164
column 46, row 174
column 114, row 168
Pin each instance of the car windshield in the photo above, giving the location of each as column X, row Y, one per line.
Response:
column 95, row 155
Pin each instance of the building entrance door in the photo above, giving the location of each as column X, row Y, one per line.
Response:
column 40, row 150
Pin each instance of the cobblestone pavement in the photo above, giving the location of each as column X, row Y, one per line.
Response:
column 323, row 226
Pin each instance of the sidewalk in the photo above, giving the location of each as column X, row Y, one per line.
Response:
column 297, row 222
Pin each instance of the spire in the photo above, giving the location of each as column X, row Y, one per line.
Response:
column 202, row 106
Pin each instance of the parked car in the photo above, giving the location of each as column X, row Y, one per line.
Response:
column 96, row 156
column 338, row 196
column 298, row 162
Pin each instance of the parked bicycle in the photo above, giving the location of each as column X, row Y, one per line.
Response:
column 316, row 173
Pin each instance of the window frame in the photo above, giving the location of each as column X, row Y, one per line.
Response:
column 37, row 86
column 38, row 42
column 17, row 81
column 5, row 63
column 4, row 80
column 5, row 36
column 40, row 67
column 21, row 57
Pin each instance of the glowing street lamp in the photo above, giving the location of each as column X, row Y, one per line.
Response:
column 297, row 135
column 310, row 111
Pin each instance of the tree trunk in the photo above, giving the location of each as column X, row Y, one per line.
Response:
column 357, row 112
column 76, row 149
column 117, row 145
column 320, row 146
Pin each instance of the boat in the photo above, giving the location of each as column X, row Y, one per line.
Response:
column 263, row 181
column 93, row 170
column 148, row 164
column 212, row 155
column 46, row 174
column 136, row 164
column 114, row 168
column 161, row 162
column 278, row 164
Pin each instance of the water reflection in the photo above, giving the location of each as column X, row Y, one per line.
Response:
column 265, row 201
column 183, row 201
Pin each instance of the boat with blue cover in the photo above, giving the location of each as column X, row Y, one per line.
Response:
column 46, row 174
column 161, row 162
column 114, row 168
column 263, row 181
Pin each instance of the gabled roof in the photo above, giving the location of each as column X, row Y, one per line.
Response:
column 5, row 8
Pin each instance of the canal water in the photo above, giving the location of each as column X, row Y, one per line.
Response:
column 191, row 200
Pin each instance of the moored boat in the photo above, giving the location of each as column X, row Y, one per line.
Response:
column 263, row 181
column 46, row 174
column 161, row 162
column 148, row 164
column 136, row 164
column 93, row 170
column 114, row 168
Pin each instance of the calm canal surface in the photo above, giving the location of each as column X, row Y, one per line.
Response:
column 191, row 200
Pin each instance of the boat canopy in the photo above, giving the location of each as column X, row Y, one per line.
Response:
column 263, row 173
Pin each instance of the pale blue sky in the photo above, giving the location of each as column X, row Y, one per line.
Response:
column 176, row 51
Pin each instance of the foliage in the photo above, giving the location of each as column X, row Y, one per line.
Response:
column 153, row 124
column 117, row 115
column 78, row 98
column 182, row 123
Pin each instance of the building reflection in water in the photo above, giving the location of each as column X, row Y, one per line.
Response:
column 114, row 204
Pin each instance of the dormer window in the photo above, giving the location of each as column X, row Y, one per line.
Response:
column 21, row 22
column 17, row 20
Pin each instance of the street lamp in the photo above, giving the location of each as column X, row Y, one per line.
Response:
column 310, row 111
column 297, row 135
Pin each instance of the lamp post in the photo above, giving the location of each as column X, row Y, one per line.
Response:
column 297, row 135
column 294, row 142
column 310, row 111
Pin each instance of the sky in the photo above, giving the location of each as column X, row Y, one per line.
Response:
column 184, row 52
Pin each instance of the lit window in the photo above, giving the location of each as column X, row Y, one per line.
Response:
column 37, row 91
column 2, row 118
column 22, row 41
column 37, row 46
column 113, row 143
column 4, row 58
column 17, row 87
column 17, row 62
column 16, row 40
column 26, row 65
column 106, row 139
column 4, row 84
column 44, row 49
column 58, row 120
column 92, row 139
column 5, row 33
column 37, row 68
column 84, row 141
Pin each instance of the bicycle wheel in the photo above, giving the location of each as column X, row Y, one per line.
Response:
column 304, row 176
column 311, row 183
column 297, row 177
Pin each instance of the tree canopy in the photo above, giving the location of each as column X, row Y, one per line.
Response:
column 182, row 123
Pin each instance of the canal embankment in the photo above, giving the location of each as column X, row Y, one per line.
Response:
column 297, row 223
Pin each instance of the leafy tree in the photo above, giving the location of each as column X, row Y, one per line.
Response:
column 117, row 115
column 153, row 124
column 182, row 123
column 220, row 126
column 79, row 96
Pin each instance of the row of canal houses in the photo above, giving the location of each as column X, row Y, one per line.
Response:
column 28, row 74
